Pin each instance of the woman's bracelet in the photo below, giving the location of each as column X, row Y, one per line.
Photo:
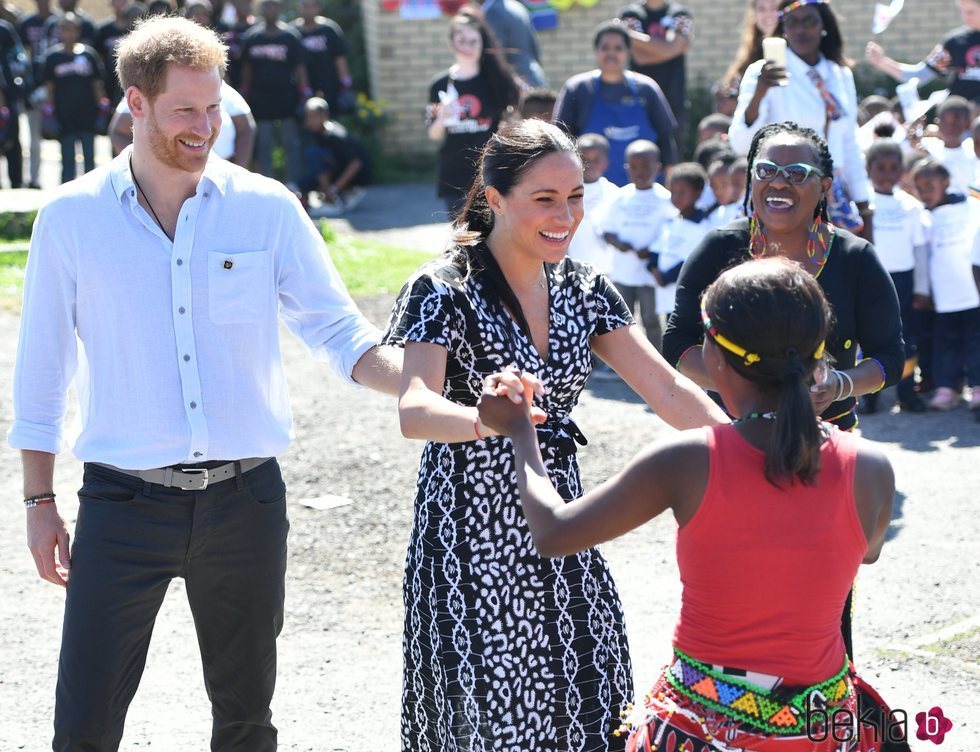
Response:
column 476, row 425
column 842, row 377
column 45, row 498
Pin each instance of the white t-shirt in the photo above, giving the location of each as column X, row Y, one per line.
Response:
column 961, row 163
column 679, row 238
column 637, row 218
column 232, row 105
column 587, row 243
column 952, row 240
column 899, row 228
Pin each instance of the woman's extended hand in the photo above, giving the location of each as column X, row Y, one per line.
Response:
column 822, row 395
column 506, row 403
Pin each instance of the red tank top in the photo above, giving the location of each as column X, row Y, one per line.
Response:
column 765, row 571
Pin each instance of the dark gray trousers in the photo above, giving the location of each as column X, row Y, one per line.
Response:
column 132, row 538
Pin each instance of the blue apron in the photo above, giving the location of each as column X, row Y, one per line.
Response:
column 621, row 123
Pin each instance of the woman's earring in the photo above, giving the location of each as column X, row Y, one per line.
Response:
column 823, row 32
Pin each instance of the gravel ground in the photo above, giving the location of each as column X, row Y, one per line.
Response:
column 917, row 624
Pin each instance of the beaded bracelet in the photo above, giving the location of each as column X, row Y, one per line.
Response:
column 32, row 501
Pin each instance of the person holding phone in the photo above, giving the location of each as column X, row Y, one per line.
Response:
column 815, row 89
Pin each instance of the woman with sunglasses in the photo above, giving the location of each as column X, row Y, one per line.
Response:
column 467, row 104
column 786, row 209
column 815, row 89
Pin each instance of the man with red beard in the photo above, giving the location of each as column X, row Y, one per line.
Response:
column 170, row 269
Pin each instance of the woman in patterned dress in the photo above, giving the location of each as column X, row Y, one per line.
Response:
column 504, row 650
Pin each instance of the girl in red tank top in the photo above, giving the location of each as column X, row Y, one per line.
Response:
column 775, row 514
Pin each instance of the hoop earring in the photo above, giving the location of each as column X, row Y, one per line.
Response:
column 757, row 236
column 813, row 236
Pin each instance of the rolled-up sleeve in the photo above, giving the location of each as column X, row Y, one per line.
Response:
column 740, row 133
column 855, row 171
column 47, row 351
column 315, row 304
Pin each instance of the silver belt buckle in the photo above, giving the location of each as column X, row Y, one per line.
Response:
column 201, row 471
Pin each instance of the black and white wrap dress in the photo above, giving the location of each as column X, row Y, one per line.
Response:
column 504, row 649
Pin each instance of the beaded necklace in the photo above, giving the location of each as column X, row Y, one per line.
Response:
column 771, row 415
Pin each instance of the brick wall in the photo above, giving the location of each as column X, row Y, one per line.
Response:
column 405, row 55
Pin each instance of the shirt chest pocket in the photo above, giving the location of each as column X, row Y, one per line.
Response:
column 239, row 286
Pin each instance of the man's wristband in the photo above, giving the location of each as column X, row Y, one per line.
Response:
column 32, row 501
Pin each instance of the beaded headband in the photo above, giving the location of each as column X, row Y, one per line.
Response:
column 747, row 357
column 797, row 5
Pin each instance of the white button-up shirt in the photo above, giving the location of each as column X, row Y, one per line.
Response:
column 174, row 346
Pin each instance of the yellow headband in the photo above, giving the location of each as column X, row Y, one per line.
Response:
column 747, row 357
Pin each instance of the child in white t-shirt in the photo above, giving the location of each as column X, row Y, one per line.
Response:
column 682, row 232
column 900, row 241
column 588, row 244
column 953, row 228
column 631, row 223
column 952, row 148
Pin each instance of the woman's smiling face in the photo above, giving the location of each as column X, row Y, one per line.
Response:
column 782, row 206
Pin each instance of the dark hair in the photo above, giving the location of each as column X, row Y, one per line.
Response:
column 715, row 120
column 593, row 141
column 612, row 26
column 883, row 147
column 832, row 43
column 692, row 172
column 643, row 147
column 711, row 149
column 503, row 83
column 954, row 103
column 825, row 162
column 748, row 305
column 930, row 166
column 505, row 159
column 872, row 105
column 722, row 162
column 749, row 50
column 538, row 97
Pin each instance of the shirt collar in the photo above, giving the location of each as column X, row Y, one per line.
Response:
column 215, row 173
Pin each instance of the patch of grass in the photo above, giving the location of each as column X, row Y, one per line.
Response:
column 12, row 273
column 16, row 225
column 366, row 266
column 371, row 268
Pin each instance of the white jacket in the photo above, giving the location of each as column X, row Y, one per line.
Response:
column 801, row 102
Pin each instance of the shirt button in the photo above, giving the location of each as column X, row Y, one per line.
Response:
column 187, row 358
column 193, row 405
column 181, row 310
column 180, row 262
column 198, row 454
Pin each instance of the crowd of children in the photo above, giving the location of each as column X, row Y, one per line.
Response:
column 926, row 226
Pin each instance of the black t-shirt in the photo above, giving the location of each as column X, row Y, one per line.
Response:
column 858, row 288
column 324, row 43
column 959, row 55
column 73, row 73
column 232, row 37
column 273, row 55
column 479, row 117
column 107, row 39
column 656, row 24
column 9, row 43
column 344, row 148
column 35, row 38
